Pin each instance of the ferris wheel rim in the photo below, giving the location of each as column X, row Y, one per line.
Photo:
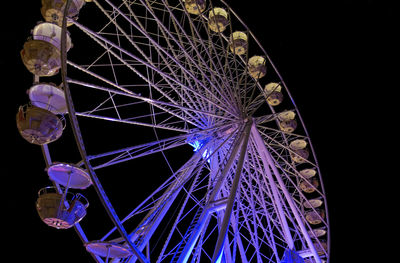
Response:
column 76, row 126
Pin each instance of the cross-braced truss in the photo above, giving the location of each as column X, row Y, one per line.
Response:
column 168, row 74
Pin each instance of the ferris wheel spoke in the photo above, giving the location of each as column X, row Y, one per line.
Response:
column 176, row 111
column 293, row 208
column 264, row 198
column 175, row 53
column 165, row 53
column 237, row 231
column 136, row 151
column 239, row 237
column 209, row 47
column 179, row 71
column 198, row 226
column 148, row 204
column 132, row 153
column 177, row 220
column 255, row 103
column 251, row 230
column 270, row 132
column 203, row 221
column 214, row 65
column 148, row 58
column 291, row 170
column 204, row 49
column 261, row 122
column 124, row 89
column 278, row 207
column 161, row 205
column 180, row 33
column 256, row 213
column 284, row 152
column 154, row 217
column 148, row 81
column 257, row 208
column 144, row 124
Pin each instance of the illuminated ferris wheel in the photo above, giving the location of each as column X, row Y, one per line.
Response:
column 186, row 73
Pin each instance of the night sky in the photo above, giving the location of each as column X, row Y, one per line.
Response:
column 335, row 59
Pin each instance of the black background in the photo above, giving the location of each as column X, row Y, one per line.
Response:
column 335, row 57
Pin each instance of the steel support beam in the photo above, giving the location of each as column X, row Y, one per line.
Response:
column 232, row 195
column 268, row 160
column 205, row 214
column 78, row 138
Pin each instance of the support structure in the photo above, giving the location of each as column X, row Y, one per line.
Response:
column 203, row 219
column 268, row 162
column 156, row 215
column 78, row 138
column 170, row 72
column 232, row 196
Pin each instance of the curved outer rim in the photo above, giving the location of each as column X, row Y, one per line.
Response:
column 299, row 116
column 79, row 141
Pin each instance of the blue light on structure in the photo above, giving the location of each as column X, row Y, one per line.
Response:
column 219, row 259
column 198, row 144
column 291, row 256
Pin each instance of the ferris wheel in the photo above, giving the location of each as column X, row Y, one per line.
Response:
column 182, row 79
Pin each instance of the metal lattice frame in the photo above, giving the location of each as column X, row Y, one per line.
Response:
column 154, row 65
